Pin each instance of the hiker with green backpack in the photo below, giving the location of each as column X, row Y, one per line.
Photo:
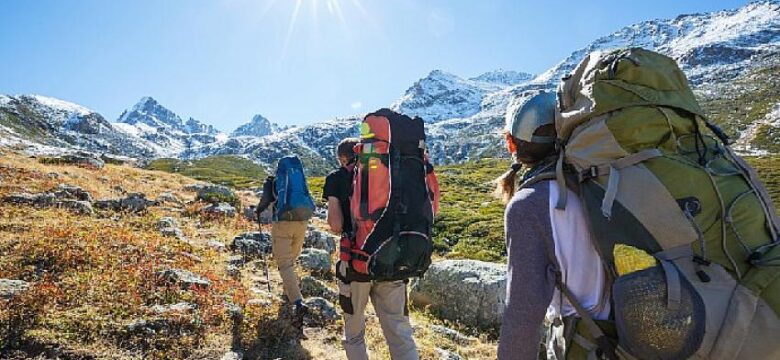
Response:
column 288, row 193
column 636, row 156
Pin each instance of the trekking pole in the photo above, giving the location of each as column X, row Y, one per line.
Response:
column 265, row 261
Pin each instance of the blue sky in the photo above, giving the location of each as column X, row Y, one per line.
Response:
column 295, row 62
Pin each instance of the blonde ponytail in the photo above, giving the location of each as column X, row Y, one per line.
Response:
column 506, row 183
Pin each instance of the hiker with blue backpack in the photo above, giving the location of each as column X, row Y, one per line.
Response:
column 288, row 193
column 636, row 231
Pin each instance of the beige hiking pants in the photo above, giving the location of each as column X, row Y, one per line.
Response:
column 389, row 300
column 287, row 238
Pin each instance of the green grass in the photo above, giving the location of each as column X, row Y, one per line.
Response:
column 471, row 222
column 227, row 170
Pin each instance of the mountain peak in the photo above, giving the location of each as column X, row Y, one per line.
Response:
column 259, row 126
column 148, row 111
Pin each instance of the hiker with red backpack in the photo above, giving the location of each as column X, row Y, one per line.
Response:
column 654, row 239
column 391, row 196
column 288, row 193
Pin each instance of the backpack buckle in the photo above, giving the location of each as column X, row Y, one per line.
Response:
column 590, row 173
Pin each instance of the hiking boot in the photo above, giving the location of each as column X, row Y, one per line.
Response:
column 299, row 313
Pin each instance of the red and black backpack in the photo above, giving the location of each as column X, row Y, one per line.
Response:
column 394, row 199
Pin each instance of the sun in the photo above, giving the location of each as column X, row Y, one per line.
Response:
column 331, row 8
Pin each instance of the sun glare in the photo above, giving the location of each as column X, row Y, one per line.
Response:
column 331, row 8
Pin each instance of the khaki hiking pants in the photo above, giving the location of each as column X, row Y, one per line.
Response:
column 287, row 238
column 389, row 300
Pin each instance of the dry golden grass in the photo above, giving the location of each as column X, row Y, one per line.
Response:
column 95, row 274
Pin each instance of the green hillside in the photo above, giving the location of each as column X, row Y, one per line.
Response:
column 227, row 170
column 471, row 222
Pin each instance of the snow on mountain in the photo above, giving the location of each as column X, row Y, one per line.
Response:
column 442, row 95
column 258, row 126
column 701, row 43
column 165, row 129
column 504, row 77
column 40, row 123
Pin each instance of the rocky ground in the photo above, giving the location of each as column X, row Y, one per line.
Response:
column 104, row 260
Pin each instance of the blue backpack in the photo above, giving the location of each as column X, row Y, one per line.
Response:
column 293, row 201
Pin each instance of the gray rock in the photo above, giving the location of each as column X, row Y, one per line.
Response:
column 148, row 326
column 216, row 245
column 321, row 213
column 169, row 198
column 446, row 354
column 254, row 243
column 182, row 307
column 108, row 204
column 216, row 194
column 185, row 279
column 233, row 271
column 194, row 187
column 232, row 355
column 167, row 222
column 9, row 288
column 53, row 175
column 40, row 200
column 322, row 312
column 136, row 203
column 480, row 288
column 70, row 192
column 172, row 232
column 319, row 239
column 220, row 210
column 76, row 206
column 315, row 260
column 453, row 335
column 311, row 287
column 249, row 213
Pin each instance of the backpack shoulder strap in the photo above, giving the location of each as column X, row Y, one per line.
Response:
column 601, row 339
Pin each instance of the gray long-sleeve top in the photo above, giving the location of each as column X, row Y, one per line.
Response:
column 530, row 276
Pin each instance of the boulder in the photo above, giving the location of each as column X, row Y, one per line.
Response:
column 172, row 232
column 232, row 355
column 108, row 204
column 168, row 198
column 194, row 187
column 136, row 202
column 76, row 206
column 216, row 194
column 40, row 200
column 185, row 279
column 322, row 312
column 70, row 192
column 254, row 243
column 249, row 213
column 9, row 288
column 315, row 260
column 319, row 239
column 182, row 307
column 453, row 335
column 219, row 210
column 167, row 222
column 444, row 354
column 311, row 287
column 478, row 286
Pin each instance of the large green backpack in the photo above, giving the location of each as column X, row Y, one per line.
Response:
column 654, row 175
